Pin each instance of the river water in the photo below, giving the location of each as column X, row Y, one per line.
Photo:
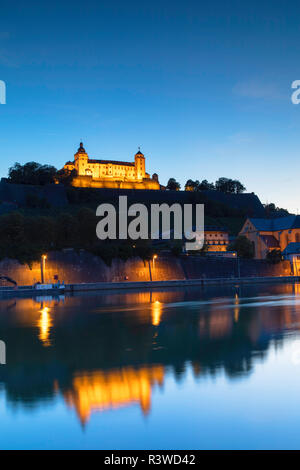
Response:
column 198, row 368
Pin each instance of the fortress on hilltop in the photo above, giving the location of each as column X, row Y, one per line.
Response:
column 109, row 173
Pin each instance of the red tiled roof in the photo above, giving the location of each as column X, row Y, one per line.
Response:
column 113, row 162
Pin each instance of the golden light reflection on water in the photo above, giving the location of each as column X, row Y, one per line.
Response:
column 156, row 311
column 45, row 323
column 100, row 391
column 129, row 351
column 297, row 288
column 236, row 308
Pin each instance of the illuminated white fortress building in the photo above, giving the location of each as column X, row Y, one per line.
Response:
column 110, row 173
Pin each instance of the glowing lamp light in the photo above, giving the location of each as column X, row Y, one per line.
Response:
column 153, row 259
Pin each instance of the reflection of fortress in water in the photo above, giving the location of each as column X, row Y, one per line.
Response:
column 101, row 358
column 99, row 391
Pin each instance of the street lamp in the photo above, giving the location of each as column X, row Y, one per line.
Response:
column 154, row 258
column 43, row 268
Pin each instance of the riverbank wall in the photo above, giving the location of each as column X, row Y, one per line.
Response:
column 84, row 268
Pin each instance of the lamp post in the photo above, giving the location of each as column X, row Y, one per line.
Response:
column 43, row 268
column 154, row 258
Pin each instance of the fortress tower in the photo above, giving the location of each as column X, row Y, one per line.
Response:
column 139, row 161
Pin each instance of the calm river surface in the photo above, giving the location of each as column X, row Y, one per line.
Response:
column 199, row 368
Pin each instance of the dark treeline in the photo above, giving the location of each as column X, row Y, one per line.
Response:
column 225, row 185
column 34, row 173
column 26, row 238
column 37, row 227
column 273, row 211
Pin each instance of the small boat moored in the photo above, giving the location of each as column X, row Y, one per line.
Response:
column 50, row 287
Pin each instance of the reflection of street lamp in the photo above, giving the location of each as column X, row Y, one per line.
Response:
column 156, row 308
column 43, row 267
column 44, row 324
column 237, row 307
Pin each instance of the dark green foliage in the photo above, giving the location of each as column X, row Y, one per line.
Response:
column 205, row 185
column 273, row 211
column 26, row 238
column 67, row 231
column 16, row 239
column 31, row 173
column 242, row 246
column 274, row 256
column 65, row 176
column 191, row 185
column 227, row 185
column 87, row 221
column 173, row 185
column 40, row 232
column 12, row 228
column 39, row 229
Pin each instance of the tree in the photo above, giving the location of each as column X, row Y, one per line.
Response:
column 242, row 246
column 205, row 185
column 173, row 185
column 65, row 176
column 87, row 226
column 11, row 230
column 191, row 185
column 273, row 211
column 67, row 231
column 227, row 185
column 274, row 256
column 40, row 232
column 14, row 243
column 238, row 187
column 31, row 173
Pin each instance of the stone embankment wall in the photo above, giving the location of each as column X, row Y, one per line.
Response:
column 83, row 267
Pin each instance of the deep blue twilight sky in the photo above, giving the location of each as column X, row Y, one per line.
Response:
column 203, row 87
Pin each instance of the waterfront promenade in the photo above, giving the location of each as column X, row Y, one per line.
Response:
column 127, row 285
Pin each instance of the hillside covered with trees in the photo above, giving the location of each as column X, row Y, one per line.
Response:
column 37, row 215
